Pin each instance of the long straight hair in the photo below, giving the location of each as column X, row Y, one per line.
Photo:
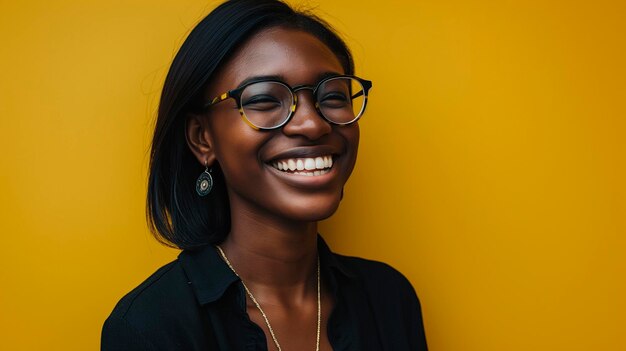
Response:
column 177, row 216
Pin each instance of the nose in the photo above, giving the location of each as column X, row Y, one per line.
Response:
column 306, row 121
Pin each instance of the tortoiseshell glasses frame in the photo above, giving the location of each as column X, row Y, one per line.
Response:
column 340, row 100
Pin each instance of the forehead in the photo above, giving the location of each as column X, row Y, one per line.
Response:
column 296, row 56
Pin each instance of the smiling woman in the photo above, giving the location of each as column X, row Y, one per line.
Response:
column 257, row 134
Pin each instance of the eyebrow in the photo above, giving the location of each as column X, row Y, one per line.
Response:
column 281, row 78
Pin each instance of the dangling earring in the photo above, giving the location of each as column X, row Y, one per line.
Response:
column 204, row 184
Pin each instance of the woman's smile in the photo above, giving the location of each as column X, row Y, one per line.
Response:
column 306, row 166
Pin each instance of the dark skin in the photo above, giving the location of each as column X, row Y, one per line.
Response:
column 273, row 240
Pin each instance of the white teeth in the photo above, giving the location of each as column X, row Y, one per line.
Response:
column 309, row 163
column 312, row 174
column 310, row 166
column 319, row 163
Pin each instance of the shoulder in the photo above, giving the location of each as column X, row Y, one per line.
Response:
column 389, row 292
column 393, row 301
column 158, row 294
column 163, row 302
column 380, row 276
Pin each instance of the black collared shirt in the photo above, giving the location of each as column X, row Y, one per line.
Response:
column 198, row 303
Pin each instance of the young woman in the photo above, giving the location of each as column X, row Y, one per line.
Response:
column 257, row 133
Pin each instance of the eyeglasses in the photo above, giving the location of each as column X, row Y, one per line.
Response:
column 270, row 104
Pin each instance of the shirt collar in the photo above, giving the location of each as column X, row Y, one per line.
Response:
column 210, row 277
column 329, row 260
column 208, row 274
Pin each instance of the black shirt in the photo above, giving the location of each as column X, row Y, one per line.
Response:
column 197, row 303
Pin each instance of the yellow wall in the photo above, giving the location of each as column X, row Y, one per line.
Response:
column 491, row 169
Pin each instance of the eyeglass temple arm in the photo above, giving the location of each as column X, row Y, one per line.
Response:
column 367, row 85
column 357, row 94
column 217, row 99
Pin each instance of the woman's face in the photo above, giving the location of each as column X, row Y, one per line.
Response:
column 248, row 157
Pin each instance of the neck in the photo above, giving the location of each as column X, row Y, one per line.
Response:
column 276, row 258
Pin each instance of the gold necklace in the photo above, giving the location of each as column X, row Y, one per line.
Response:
column 267, row 322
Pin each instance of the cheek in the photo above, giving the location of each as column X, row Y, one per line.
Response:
column 355, row 135
column 235, row 144
column 351, row 134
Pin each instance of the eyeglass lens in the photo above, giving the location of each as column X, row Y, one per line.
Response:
column 268, row 104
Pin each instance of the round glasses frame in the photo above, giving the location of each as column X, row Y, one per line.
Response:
column 236, row 94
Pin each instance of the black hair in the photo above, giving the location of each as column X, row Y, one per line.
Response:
column 177, row 216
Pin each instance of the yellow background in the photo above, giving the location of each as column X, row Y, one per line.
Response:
column 491, row 171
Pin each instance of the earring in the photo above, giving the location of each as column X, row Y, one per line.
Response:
column 204, row 184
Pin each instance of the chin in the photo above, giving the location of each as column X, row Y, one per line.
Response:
column 314, row 211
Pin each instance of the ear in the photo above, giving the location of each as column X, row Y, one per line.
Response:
column 199, row 138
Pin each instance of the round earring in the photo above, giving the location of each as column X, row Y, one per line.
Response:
column 204, row 184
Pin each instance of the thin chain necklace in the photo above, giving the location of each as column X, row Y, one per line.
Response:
column 267, row 322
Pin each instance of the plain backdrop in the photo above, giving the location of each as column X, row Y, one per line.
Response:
column 491, row 169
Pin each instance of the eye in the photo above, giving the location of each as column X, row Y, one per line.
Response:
column 261, row 103
column 334, row 100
